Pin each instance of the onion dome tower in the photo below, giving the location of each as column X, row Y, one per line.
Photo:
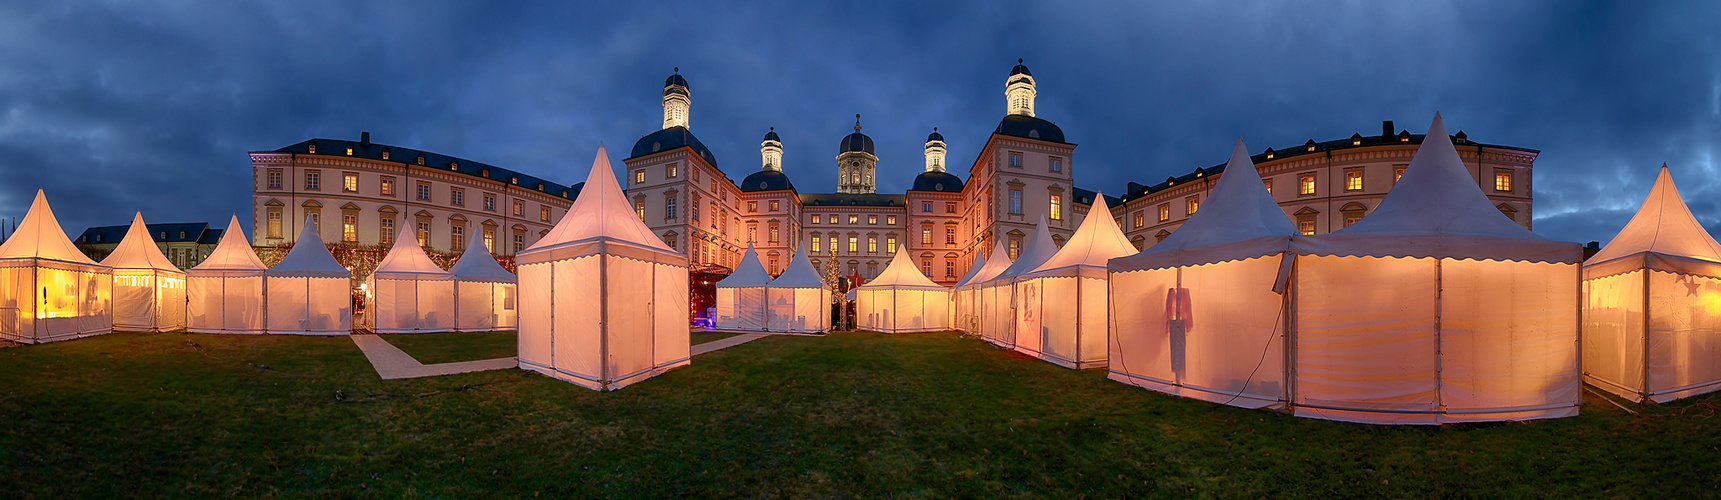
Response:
column 935, row 178
column 770, row 176
column 1019, row 91
column 856, row 163
column 676, row 100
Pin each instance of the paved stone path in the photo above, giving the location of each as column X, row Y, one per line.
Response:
column 727, row 342
column 392, row 363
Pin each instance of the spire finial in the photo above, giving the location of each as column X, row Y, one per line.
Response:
column 773, row 128
column 678, row 70
column 857, row 123
column 1018, row 60
column 934, row 128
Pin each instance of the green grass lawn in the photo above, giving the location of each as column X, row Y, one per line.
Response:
column 848, row 414
column 449, row 347
column 700, row 337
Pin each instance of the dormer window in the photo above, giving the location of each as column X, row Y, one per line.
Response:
column 349, row 150
column 182, row 235
column 485, row 173
column 313, row 148
column 385, row 154
column 454, row 165
column 514, row 180
column 420, row 160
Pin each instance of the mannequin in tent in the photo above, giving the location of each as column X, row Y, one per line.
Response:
column 604, row 302
column 1650, row 327
column 741, row 295
column 1435, row 308
column 412, row 294
column 1202, row 314
column 485, row 293
column 49, row 289
column 225, row 291
column 309, row 293
column 1000, row 324
column 1068, row 293
column 149, row 291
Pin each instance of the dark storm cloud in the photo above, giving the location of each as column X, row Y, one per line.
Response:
column 118, row 107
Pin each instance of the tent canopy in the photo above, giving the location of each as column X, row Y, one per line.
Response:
column 748, row 274
column 995, row 265
column 233, row 253
column 1437, row 211
column 603, row 222
column 973, row 269
column 309, row 258
column 901, row 273
column 407, row 261
column 800, row 274
column 138, row 251
column 1663, row 235
column 479, row 265
column 39, row 236
column 1039, row 250
column 1096, row 241
column 1239, row 220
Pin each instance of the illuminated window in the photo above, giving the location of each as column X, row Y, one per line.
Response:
column 1502, row 180
column 1306, row 184
column 1164, row 212
column 274, row 178
column 424, row 191
column 695, row 173
column 1016, row 202
column 457, row 237
column 752, row 231
column 772, row 237
column 350, row 182
column 1397, row 173
column 312, row 148
column 349, row 150
column 671, row 171
column 544, row 214
column 387, row 230
column 1140, row 219
column 349, row 227
column 639, row 176
column 890, row 243
column 854, row 219
column 1016, row 159
column 1269, row 184
column 833, row 219
column 872, row 219
column 854, row 243
column 1351, row 219
column 833, row 243
column 950, row 234
column 639, row 208
column 1057, row 164
column 274, row 222
column 752, row 206
column 774, row 205
column 457, row 197
column 1056, row 207
column 1015, row 248
column 871, row 244
column 890, row 219
column 1306, row 226
column 313, row 180
column 490, row 239
column 669, row 207
column 1191, row 204
column 519, row 208
column 1353, row 179
column 423, row 233
column 773, row 268
column 817, row 240
column 388, row 186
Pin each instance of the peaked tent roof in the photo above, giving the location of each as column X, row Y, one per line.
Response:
column 137, row 250
column 407, row 261
column 973, row 269
column 309, row 258
column 1096, row 241
column 39, row 236
column 995, row 264
column 233, row 253
column 599, row 217
column 800, row 274
column 901, row 273
column 1039, row 250
column 748, row 273
column 479, row 265
column 1662, row 235
column 1240, row 220
column 1437, row 211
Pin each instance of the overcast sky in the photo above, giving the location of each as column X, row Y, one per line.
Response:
column 115, row 107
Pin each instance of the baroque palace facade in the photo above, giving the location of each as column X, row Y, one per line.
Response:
column 1025, row 170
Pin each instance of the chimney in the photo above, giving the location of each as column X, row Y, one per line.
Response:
column 364, row 139
column 1386, row 130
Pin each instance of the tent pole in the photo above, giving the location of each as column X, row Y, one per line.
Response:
column 1288, row 304
column 1439, row 352
column 1644, row 390
column 604, row 321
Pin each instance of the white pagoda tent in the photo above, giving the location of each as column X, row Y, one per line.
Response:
column 966, row 293
column 485, row 294
column 603, row 301
column 309, row 293
column 149, row 291
column 902, row 299
column 1064, row 301
column 1435, row 308
column 798, row 299
column 411, row 293
column 1652, row 304
column 48, row 289
column 1224, row 270
column 741, row 295
column 226, row 289
column 999, row 297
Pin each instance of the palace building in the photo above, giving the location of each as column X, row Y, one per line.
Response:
column 1024, row 171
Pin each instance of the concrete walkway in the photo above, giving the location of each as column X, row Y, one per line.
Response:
column 392, row 363
column 727, row 342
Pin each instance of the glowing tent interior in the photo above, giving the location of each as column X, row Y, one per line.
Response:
column 410, row 293
column 149, row 291
column 998, row 323
column 1650, row 304
column 1064, row 300
column 902, row 300
column 485, row 294
column 798, row 300
column 48, row 289
column 741, row 295
column 970, row 302
column 225, row 291
column 1435, row 308
column 308, row 292
column 1202, row 314
column 603, row 301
